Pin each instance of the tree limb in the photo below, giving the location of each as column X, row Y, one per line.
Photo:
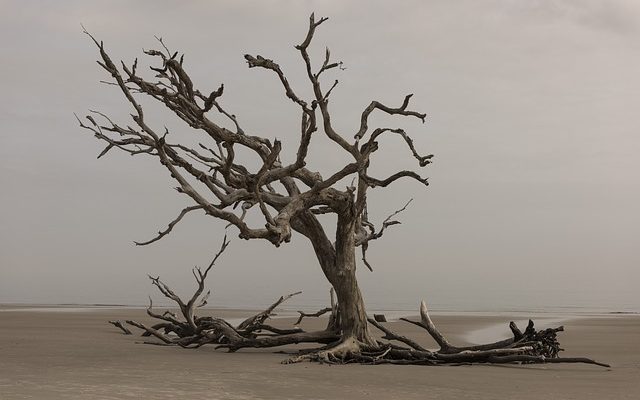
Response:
column 173, row 223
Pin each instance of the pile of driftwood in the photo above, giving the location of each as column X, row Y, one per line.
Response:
column 189, row 330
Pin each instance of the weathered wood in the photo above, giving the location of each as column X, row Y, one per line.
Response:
column 151, row 331
column 431, row 328
column 315, row 314
column 529, row 347
column 257, row 320
column 389, row 335
column 379, row 318
column 118, row 324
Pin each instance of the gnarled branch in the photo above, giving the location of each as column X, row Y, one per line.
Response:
column 173, row 223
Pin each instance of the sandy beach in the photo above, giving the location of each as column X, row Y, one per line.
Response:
column 76, row 354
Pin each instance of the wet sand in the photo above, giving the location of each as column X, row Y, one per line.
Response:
column 78, row 355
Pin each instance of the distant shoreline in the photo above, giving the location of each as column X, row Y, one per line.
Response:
column 391, row 314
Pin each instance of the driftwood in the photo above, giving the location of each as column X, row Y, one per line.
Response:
column 118, row 324
column 379, row 318
column 530, row 347
column 191, row 331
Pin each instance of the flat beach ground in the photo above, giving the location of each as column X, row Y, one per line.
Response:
column 47, row 354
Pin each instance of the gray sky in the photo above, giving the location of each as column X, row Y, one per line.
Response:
column 533, row 119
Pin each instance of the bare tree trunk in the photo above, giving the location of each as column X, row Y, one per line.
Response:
column 353, row 316
column 339, row 266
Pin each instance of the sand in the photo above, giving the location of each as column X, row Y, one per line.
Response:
column 75, row 354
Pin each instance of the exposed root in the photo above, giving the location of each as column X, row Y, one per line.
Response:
column 189, row 330
column 341, row 353
column 389, row 335
column 525, row 348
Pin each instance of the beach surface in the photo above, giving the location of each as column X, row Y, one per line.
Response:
column 73, row 353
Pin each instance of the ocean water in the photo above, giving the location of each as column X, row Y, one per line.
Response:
column 523, row 301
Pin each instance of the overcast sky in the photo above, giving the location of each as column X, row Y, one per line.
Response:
column 532, row 116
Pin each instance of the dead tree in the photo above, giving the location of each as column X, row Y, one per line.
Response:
column 289, row 197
